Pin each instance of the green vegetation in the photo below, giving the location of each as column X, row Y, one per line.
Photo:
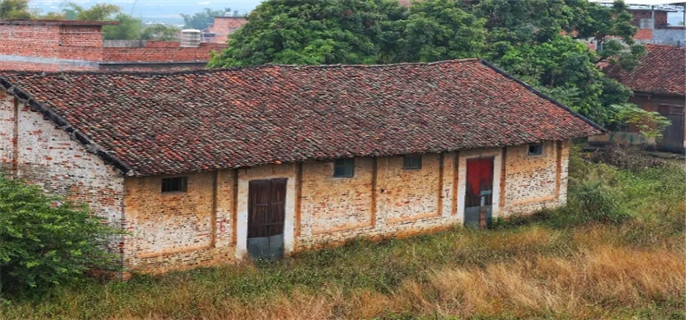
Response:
column 616, row 251
column 649, row 123
column 45, row 242
column 14, row 9
column 535, row 40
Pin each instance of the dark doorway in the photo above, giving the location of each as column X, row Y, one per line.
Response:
column 266, row 214
column 479, row 192
column 673, row 136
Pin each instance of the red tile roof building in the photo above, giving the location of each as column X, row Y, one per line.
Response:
column 661, row 71
column 659, row 84
column 203, row 120
column 206, row 167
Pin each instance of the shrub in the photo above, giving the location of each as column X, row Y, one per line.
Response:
column 593, row 202
column 45, row 241
column 628, row 158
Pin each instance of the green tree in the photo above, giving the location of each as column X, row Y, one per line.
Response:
column 650, row 124
column 160, row 32
column 129, row 28
column 45, row 241
column 536, row 40
column 440, row 30
column 202, row 20
column 316, row 32
column 98, row 12
column 15, row 9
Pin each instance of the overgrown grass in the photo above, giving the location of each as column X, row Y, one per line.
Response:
column 625, row 259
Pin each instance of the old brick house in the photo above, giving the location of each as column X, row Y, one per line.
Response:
column 659, row 84
column 59, row 45
column 203, row 167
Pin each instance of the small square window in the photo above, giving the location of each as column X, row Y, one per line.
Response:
column 412, row 162
column 535, row 149
column 177, row 184
column 344, row 168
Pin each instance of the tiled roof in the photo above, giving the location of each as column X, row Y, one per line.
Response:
column 661, row 71
column 167, row 123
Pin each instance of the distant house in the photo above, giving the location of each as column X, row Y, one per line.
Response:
column 204, row 167
column 59, row 45
column 223, row 26
column 659, row 84
column 653, row 27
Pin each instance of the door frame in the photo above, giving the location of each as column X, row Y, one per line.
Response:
column 264, row 173
column 496, row 154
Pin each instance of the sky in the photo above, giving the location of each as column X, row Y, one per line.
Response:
column 168, row 11
column 154, row 10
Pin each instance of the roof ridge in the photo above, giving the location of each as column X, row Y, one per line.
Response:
column 220, row 70
column 541, row 94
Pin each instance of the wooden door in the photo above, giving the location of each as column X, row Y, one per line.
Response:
column 266, row 215
column 673, row 135
column 479, row 192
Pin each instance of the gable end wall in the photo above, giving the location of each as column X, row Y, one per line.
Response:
column 33, row 149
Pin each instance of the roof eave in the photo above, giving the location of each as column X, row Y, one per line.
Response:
column 65, row 126
column 542, row 95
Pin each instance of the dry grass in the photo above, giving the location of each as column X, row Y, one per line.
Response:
column 586, row 285
column 540, row 269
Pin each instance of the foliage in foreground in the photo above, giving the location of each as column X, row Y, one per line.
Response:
column 45, row 242
column 593, row 269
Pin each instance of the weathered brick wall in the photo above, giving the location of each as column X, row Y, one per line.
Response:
column 51, row 47
column 208, row 224
column 407, row 194
column 32, row 148
column 7, row 132
column 52, row 41
column 403, row 201
column 533, row 182
column 179, row 229
column 155, row 53
column 336, row 204
column 224, row 26
column 81, row 37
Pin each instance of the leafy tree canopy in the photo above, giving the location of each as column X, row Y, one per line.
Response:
column 535, row 40
column 354, row 31
column 129, row 28
column 440, row 30
column 160, row 32
column 15, row 9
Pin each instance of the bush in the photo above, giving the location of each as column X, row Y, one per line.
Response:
column 627, row 158
column 592, row 202
column 45, row 241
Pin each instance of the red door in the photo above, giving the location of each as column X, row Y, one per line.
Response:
column 479, row 192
